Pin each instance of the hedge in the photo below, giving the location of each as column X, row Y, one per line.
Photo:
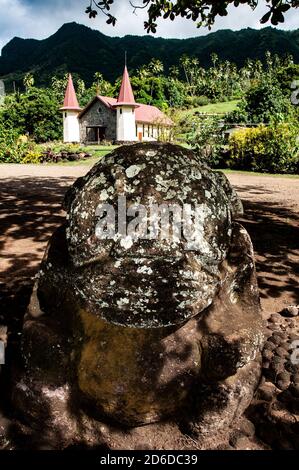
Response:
column 268, row 149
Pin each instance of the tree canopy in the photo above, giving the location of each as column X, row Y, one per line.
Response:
column 201, row 11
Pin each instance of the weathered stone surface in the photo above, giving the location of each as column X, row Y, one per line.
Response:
column 267, row 391
column 146, row 330
column 274, row 409
column 291, row 310
column 177, row 280
column 235, row 203
column 138, row 376
column 233, row 325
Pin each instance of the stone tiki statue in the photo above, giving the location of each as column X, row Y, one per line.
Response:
column 133, row 330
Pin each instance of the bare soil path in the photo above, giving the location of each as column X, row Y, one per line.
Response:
column 30, row 209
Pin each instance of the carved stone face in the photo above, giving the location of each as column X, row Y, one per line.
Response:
column 149, row 283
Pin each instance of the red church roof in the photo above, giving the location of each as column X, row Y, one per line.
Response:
column 126, row 95
column 144, row 113
column 70, row 99
column 152, row 115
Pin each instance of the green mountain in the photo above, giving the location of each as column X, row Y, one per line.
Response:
column 84, row 51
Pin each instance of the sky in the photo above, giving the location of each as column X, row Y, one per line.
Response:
column 39, row 19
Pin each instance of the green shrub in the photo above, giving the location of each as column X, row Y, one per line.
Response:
column 32, row 156
column 207, row 140
column 17, row 149
column 268, row 149
column 202, row 100
column 195, row 101
column 9, row 145
column 70, row 148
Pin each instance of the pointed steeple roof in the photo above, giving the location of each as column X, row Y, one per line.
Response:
column 70, row 99
column 126, row 96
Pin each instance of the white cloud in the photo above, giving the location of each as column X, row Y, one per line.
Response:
column 39, row 19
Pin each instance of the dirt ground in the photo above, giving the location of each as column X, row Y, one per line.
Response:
column 30, row 210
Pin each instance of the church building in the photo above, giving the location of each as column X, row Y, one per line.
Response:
column 109, row 119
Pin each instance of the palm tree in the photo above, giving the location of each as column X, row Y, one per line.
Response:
column 155, row 68
column 98, row 78
column 28, row 81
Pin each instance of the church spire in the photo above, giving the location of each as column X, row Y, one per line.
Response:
column 70, row 109
column 126, row 96
column 70, row 99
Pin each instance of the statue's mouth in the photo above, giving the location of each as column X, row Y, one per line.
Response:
column 89, row 251
column 150, row 290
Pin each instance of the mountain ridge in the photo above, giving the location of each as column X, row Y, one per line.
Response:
column 82, row 50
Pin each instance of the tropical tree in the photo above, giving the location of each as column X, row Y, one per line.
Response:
column 58, row 85
column 207, row 139
column 155, row 68
column 28, row 81
column 262, row 103
column 204, row 12
column 35, row 113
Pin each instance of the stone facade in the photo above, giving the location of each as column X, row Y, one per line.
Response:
column 98, row 115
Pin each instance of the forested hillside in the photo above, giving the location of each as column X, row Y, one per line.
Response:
column 84, row 51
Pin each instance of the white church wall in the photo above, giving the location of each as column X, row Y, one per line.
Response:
column 150, row 133
column 125, row 131
column 71, row 128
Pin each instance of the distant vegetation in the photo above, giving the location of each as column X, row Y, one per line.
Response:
column 81, row 50
column 204, row 103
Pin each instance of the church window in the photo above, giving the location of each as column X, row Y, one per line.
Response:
column 120, row 111
column 100, row 110
column 142, row 130
column 65, row 114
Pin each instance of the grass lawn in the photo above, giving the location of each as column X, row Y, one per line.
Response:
column 253, row 173
column 218, row 108
column 212, row 108
column 86, row 161
column 97, row 152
